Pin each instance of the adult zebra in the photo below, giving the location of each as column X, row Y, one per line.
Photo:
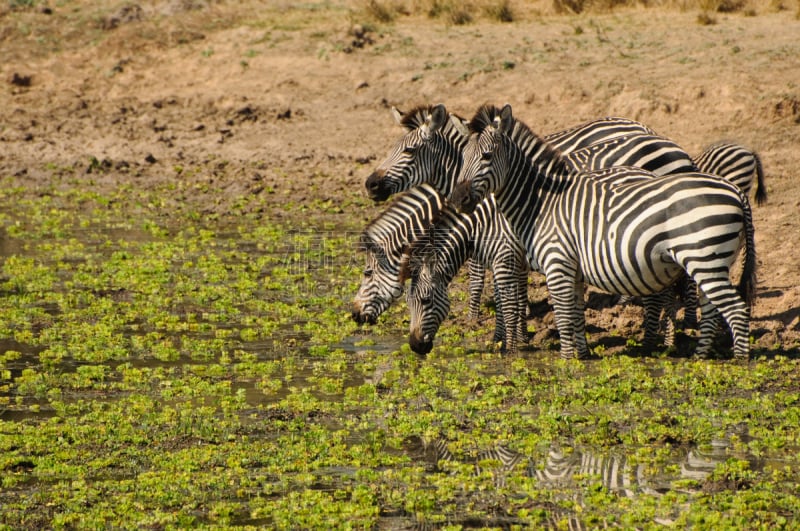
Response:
column 633, row 238
column 433, row 261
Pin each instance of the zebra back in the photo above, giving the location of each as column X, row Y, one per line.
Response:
column 737, row 164
column 594, row 131
column 656, row 154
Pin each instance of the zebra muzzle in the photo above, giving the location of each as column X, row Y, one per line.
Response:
column 463, row 199
column 419, row 345
column 376, row 186
column 362, row 317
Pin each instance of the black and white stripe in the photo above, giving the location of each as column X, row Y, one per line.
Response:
column 433, row 261
column 634, row 238
column 596, row 132
column 383, row 242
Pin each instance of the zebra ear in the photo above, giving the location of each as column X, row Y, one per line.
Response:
column 437, row 118
column 504, row 120
column 404, row 272
column 459, row 125
column 398, row 116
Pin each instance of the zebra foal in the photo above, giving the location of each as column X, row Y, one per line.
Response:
column 383, row 242
column 431, row 263
column 632, row 238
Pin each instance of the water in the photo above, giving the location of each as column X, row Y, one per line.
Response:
column 247, row 339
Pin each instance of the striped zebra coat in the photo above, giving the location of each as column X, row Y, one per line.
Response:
column 407, row 224
column 433, row 261
column 633, row 238
column 430, row 152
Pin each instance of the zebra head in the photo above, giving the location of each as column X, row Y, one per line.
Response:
column 379, row 287
column 427, row 297
column 429, row 151
column 484, row 166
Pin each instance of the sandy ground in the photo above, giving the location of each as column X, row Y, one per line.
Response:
column 292, row 104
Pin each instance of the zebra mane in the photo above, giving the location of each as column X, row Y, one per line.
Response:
column 484, row 117
column 414, row 255
column 415, row 118
column 520, row 133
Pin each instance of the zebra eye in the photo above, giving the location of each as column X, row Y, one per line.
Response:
column 368, row 273
column 487, row 155
column 410, row 150
column 425, row 300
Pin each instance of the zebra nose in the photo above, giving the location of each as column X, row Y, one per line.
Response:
column 375, row 186
column 462, row 198
column 419, row 345
column 363, row 317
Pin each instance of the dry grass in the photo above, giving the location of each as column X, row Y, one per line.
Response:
column 459, row 12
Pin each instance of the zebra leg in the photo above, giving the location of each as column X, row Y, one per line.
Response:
column 500, row 323
column 725, row 301
column 708, row 326
column 476, row 278
column 671, row 309
column 581, row 345
column 506, row 312
column 566, row 293
column 690, row 304
column 562, row 295
column 652, row 319
column 522, row 306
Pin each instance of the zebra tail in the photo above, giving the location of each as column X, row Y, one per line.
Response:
column 747, row 284
column 761, row 189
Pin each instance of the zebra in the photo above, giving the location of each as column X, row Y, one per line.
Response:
column 632, row 238
column 430, row 151
column 432, row 262
column 383, row 242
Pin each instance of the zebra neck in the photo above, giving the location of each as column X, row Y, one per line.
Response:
column 449, row 158
column 453, row 244
column 537, row 174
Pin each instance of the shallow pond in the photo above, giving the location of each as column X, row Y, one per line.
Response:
column 161, row 372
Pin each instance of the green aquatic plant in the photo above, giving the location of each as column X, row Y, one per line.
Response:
column 156, row 371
